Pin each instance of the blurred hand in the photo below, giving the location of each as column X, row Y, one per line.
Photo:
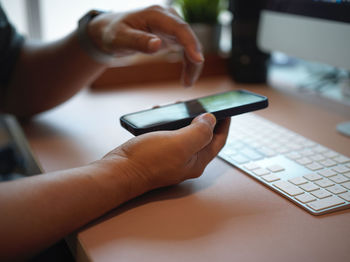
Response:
column 165, row 158
column 148, row 31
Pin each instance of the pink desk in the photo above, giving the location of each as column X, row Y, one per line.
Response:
column 222, row 216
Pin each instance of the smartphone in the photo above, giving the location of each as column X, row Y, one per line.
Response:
column 175, row 116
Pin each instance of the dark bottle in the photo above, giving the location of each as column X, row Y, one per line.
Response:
column 247, row 63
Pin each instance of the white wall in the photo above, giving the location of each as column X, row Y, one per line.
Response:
column 15, row 10
column 59, row 17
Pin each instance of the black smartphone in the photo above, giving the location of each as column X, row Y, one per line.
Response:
column 175, row 116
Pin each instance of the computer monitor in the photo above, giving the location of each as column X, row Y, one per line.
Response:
column 315, row 30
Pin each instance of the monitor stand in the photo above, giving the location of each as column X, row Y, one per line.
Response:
column 344, row 128
column 319, row 84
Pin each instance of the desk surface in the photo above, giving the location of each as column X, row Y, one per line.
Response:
column 224, row 215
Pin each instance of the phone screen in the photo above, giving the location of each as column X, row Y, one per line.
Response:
column 192, row 108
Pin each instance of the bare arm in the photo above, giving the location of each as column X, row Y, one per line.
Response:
column 37, row 211
column 49, row 74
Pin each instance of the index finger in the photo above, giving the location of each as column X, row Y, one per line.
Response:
column 163, row 21
column 190, row 72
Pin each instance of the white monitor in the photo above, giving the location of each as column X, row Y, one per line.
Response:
column 315, row 30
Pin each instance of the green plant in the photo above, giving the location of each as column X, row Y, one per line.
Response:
column 200, row 11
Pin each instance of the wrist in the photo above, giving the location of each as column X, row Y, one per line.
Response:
column 118, row 176
column 87, row 38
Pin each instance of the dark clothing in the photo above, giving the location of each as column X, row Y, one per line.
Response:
column 10, row 46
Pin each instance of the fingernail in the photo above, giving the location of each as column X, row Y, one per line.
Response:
column 209, row 118
column 185, row 82
column 199, row 57
column 153, row 44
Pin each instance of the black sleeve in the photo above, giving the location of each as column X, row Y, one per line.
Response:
column 10, row 46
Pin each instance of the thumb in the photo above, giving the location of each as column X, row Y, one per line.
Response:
column 142, row 41
column 198, row 134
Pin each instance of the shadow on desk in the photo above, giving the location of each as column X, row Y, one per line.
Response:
column 168, row 209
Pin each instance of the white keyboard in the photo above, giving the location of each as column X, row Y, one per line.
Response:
column 312, row 176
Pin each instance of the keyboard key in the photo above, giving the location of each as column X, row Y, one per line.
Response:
column 294, row 156
column 321, row 193
column 251, row 154
column 274, row 146
column 324, row 182
column 327, row 173
column 251, row 166
column 345, row 196
column 305, row 198
column 282, row 150
column 308, row 143
column 317, row 157
column 341, row 169
column 328, row 163
column 314, row 166
column 330, row 154
column 346, row 185
column 308, row 187
column 339, row 179
column 239, row 159
column 261, row 172
column 270, row 178
column 275, row 168
column 300, row 140
column 325, row 203
column 306, row 152
column 347, row 174
column 304, row 161
column 313, row 177
column 320, row 149
column 298, row 181
column 267, row 152
column 342, row 159
column 336, row 189
column 294, row 146
column 288, row 188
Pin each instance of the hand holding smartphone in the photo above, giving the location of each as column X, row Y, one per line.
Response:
column 175, row 116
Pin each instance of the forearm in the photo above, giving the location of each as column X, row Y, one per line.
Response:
column 47, row 75
column 38, row 211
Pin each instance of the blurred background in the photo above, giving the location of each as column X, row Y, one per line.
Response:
column 216, row 23
column 51, row 19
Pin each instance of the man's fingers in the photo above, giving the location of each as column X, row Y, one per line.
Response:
column 165, row 22
column 137, row 40
column 190, row 72
column 217, row 143
column 143, row 41
column 173, row 11
column 193, row 58
column 203, row 157
column 197, row 135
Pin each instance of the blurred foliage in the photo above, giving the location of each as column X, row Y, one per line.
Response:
column 200, row 11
